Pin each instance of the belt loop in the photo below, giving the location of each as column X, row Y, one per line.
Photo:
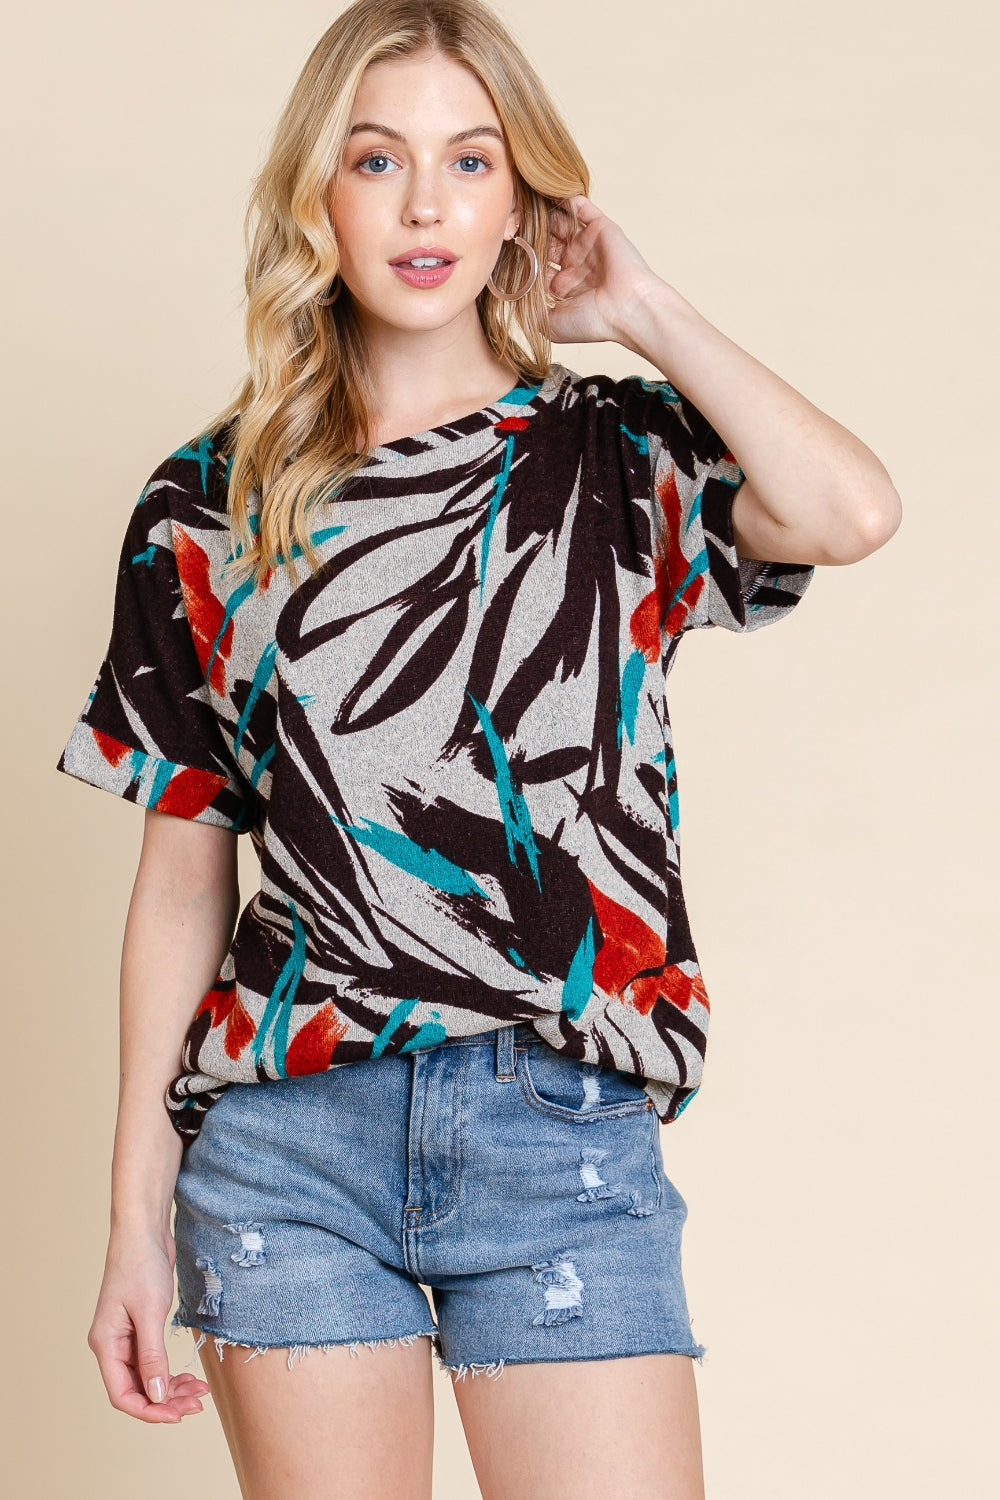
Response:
column 505, row 1052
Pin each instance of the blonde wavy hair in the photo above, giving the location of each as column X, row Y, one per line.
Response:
column 302, row 421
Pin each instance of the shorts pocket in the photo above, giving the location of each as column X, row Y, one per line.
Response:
column 555, row 1084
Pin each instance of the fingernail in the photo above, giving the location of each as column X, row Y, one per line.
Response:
column 157, row 1390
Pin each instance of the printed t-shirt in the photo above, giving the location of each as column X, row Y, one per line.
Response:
column 450, row 746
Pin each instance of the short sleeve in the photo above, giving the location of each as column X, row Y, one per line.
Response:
column 684, row 473
column 148, row 731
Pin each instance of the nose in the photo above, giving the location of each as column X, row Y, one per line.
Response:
column 425, row 197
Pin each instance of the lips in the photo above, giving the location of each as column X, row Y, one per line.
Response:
column 439, row 252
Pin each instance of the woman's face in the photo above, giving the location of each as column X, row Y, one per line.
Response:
column 407, row 183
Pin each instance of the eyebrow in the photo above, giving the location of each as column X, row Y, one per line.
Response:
column 453, row 140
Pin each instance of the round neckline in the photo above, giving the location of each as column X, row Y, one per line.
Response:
column 520, row 398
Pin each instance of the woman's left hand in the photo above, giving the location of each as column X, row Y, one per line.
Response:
column 601, row 278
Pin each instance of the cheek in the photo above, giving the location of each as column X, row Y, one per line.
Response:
column 356, row 229
column 483, row 223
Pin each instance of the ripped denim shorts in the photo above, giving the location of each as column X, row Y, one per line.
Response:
column 488, row 1193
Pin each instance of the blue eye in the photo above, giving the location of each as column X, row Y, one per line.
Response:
column 376, row 156
column 381, row 156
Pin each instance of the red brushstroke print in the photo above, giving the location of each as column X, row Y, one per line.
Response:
column 665, row 603
column 312, row 1047
column 189, row 792
column 113, row 750
column 222, row 1003
column 629, row 951
column 511, row 424
column 204, row 611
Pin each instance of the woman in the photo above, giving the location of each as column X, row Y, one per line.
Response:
column 438, row 1046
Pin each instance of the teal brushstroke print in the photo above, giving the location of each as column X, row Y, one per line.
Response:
column 513, row 808
column 521, row 963
column 261, row 765
column 153, row 773
column 631, row 686
column 403, row 852
column 699, row 564
column 202, row 455
column 495, row 502
column 664, row 389
column 675, row 811
column 427, row 1035
column 579, row 982
column 640, row 440
column 520, row 395
column 278, row 1010
column 394, row 1020
column 261, row 678
column 244, row 590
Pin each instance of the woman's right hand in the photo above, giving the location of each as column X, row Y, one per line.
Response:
column 127, row 1333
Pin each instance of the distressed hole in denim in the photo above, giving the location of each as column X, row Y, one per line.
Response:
column 591, row 1090
column 563, row 1290
column 251, row 1251
column 299, row 1351
column 209, row 1304
column 636, row 1205
column 594, row 1186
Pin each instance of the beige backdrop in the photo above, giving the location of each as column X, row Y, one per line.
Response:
column 817, row 180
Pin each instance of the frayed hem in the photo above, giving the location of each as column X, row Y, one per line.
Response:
column 458, row 1372
column 299, row 1351
column 495, row 1367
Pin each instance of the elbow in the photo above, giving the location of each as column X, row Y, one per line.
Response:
column 866, row 525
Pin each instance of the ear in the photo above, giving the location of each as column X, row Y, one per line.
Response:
column 515, row 219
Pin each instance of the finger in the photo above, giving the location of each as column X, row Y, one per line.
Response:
column 586, row 209
column 114, row 1347
column 187, row 1397
column 183, row 1399
column 150, row 1352
column 126, row 1395
column 136, row 1405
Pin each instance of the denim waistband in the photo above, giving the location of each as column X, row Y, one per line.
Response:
column 501, row 1038
column 519, row 1029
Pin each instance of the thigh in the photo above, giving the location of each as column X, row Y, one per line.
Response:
column 338, row 1425
column 586, row 1429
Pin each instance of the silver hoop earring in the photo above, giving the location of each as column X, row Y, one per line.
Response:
column 516, row 296
column 331, row 295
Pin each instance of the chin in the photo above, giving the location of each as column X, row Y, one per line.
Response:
column 410, row 315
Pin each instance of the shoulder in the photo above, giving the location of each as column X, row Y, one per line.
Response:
column 189, row 487
column 625, row 418
column 655, row 419
column 197, row 472
column 180, row 518
column 615, row 400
